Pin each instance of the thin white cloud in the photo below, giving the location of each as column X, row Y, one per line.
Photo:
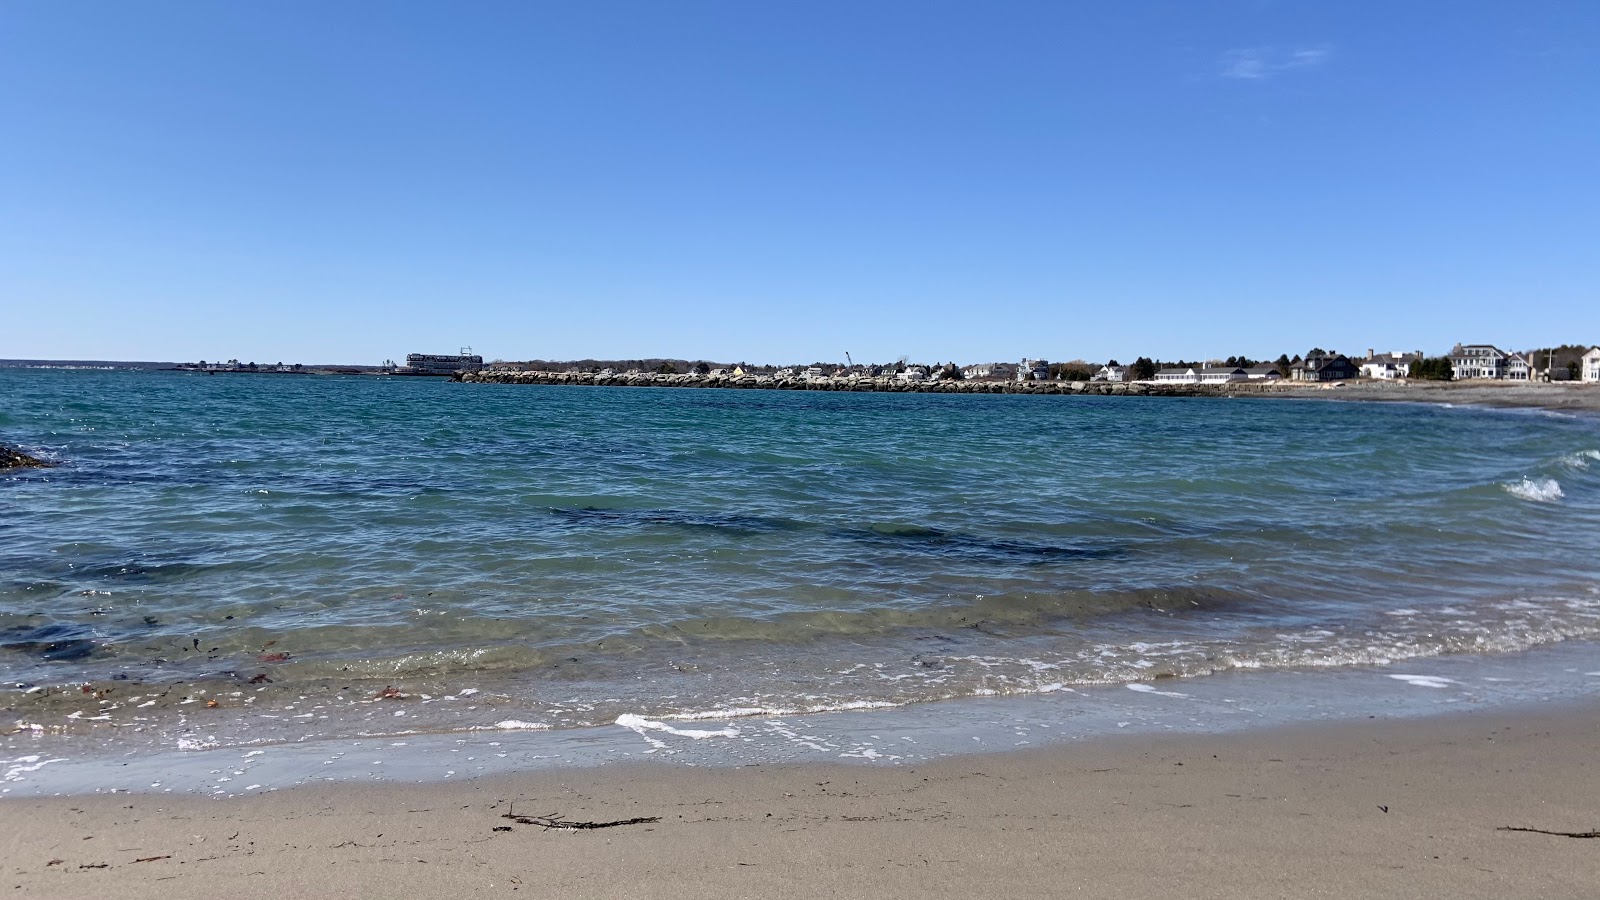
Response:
column 1259, row 63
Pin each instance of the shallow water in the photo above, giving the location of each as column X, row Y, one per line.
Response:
column 286, row 547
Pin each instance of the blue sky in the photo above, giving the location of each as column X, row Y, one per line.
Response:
column 784, row 182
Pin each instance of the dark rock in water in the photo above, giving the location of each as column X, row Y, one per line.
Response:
column 56, row 643
column 16, row 459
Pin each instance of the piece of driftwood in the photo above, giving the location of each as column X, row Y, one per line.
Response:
column 555, row 821
column 1566, row 834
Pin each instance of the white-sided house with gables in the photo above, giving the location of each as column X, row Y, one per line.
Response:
column 1263, row 372
column 1388, row 366
column 1469, row 361
column 1178, row 376
column 1222, row 374
column 1112, row 373
column 1518, row 368
column 1589, row 366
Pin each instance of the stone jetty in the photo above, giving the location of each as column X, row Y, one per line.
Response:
column 868, row 384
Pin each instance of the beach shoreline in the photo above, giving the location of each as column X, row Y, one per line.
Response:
column 1376, row 807
column 1565, row 397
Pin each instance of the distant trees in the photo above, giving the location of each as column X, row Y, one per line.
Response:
column 1144, row 369
column 1242, row 362
column 667, row 368
column 1566, row 356
column 1433, row 369
column 1071, row 371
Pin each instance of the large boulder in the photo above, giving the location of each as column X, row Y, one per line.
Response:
column 16, row 459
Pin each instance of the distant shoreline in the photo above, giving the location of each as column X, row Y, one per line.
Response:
column 1561, row 397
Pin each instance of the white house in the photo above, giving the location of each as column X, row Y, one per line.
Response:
column 912, row 373
column 1222, row 374
column 1477, row 361
column 1263, row 372
column 1517, row 367
column 1589, row 368
column 1112, row 373
column 1178, row 376
column 1388, row 366
column 1034, row 370
column 981, row 370
column 814, row 372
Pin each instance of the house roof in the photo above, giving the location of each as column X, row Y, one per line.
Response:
column 1183, row 371
column 1321, row 361
column 1216, row 370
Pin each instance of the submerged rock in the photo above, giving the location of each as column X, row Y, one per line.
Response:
column 55, row 643
column 16, row 459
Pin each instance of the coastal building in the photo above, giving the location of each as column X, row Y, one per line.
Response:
column 1034, row 370
column 981, row 370
column 1178, row 376
column 441, row 363
column 1263, row 372
column 1222, row 374
column 814, row 372
column 1388, row 366
column 1318, row 366
column 912, row 373
column 1517, row 367
column 1468, row 361
column 1589, row 366
column 1112, row 373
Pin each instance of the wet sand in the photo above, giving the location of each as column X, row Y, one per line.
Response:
column 1375, row 808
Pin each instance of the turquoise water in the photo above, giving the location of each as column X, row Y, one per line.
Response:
column 287, row 547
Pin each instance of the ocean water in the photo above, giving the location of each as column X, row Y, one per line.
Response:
column 235, row 559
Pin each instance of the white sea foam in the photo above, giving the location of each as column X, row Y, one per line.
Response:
column 17, row 768
column 641, row 725
column 748, row 712
column 513, row 725
column 1147, row 689
column 1581, row 460
column 1427, row 681
column 1542, row 490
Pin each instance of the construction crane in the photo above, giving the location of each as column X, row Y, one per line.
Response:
column 847, row 359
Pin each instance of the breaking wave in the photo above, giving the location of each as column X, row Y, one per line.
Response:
column 1539, row 490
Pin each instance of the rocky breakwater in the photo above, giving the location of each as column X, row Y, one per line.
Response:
column 857, row 383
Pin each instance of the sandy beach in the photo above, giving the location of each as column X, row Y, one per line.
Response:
column 1376, row 808
column 1569, row 397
